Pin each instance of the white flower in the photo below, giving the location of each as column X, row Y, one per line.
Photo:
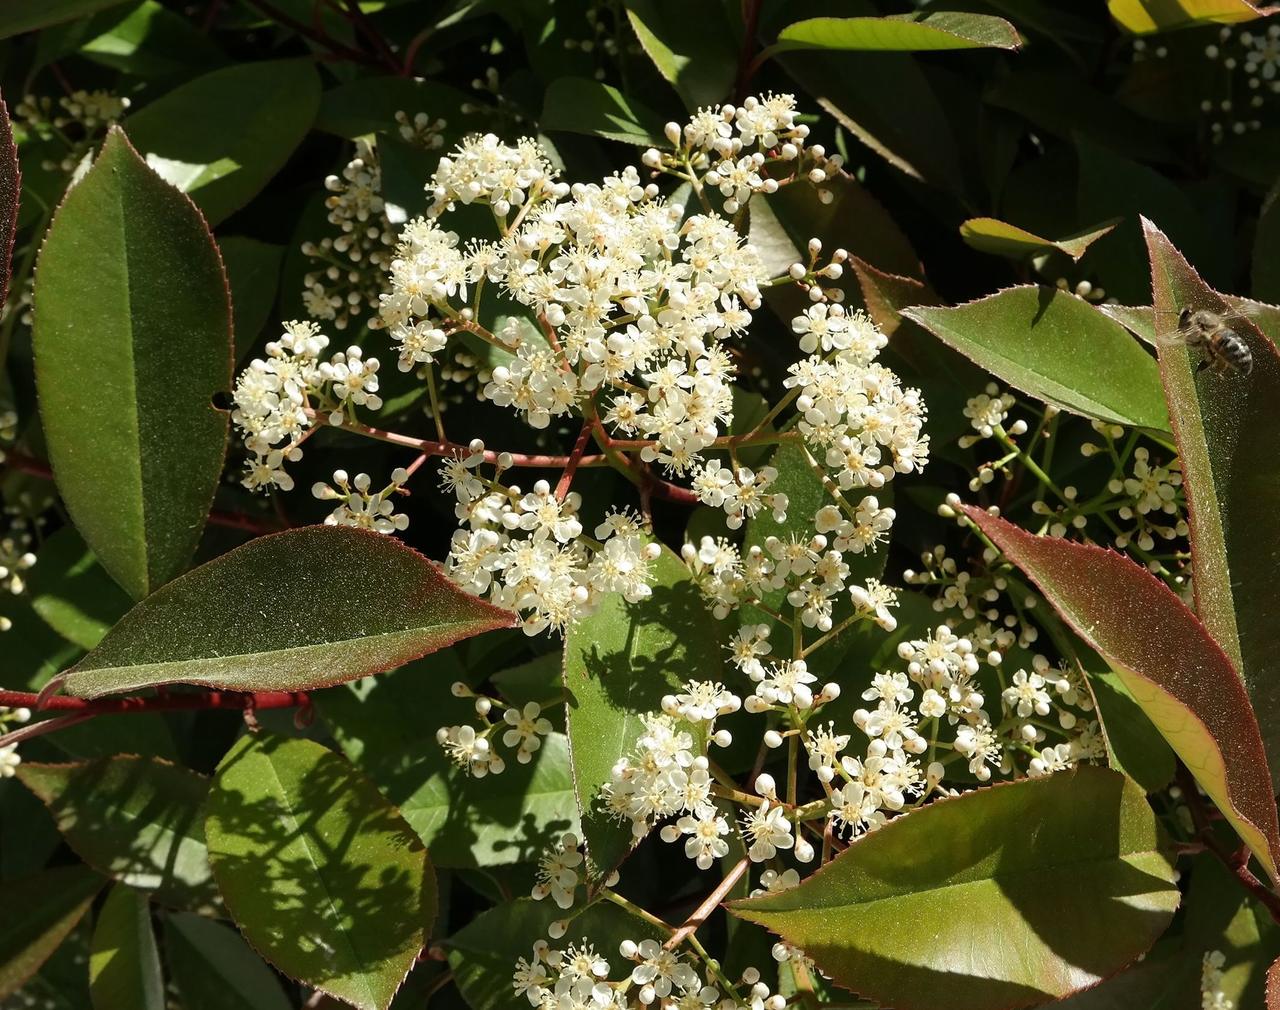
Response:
column 1027, row 695
column 706, row 829
column 558, row 872
column 766, row 830
column 527, row 725
column 358, row 508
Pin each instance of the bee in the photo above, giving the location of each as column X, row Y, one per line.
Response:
column 1222, row 347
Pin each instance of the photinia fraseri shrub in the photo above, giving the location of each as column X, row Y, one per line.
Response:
column 604, row 508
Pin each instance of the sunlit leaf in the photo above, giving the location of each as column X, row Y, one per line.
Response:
column 907, row 914
column 1228, row 432
column 700, row 65
column 227, row 623
column 577, row 105
column 1144, row 16
column 18, row 16
column 135, row 441
column 223, row 136
column 124, row 965
column 1057, row 348
column 10, row 194
column 900, row 32
column 1182, row 679
column 987, row 234
column 321, row 874
column 72, row 592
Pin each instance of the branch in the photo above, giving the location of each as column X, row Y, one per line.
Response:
column 235, row 700
column 703, row 911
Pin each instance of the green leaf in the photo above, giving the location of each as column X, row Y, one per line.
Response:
column 1164, row 656
column 986, row 234
column 214, row 969
column 1228, row 433
column 72, row 592
column 371, row 604
column 137, row 820
column 369, row 105
column 321, row 874
column 148, row 40
column 1087, row 886
column 222, row 137
column 921, row 31
column 483, row 954
column 1266, row 251
column 1058, row 348
column 253, row 272
column 134, row 439
column 464, row 822
column 618, row 663
column 1137, row 748
column 52, row 903
column 20, row 16
column 10, row 198
column 577, row 105
column 1144, row 16
column 62, row 983
column 700, row 65
column 124, row 965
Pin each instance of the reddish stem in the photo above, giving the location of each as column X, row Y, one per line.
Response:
column 575, row 458
column 709, row 904
column 236, row 700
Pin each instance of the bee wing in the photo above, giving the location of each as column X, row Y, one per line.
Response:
column 1167, row 331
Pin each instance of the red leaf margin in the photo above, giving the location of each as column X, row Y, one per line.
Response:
column 1152, row 634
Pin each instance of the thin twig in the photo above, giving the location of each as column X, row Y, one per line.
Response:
column 709, row 905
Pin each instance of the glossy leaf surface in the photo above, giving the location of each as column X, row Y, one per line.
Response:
column 1058, row 348
column 907, row 914
column 900, row 32
column 135, row 442
column 227, row 624
column 222, row 137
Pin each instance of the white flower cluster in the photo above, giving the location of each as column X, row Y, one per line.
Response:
column 986, row 412
column 577, row 978
column 666, row 774
column 357, row 507
column 526, row 551
column 730, row 146
column 811, row 569
column 16, row 557
column 522, row 728
column 76, row 120
column 351, row 267
column 278, row 397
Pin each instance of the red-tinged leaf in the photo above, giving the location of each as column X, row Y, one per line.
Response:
column 10, row 190
column 1227, row 427
column 885, row 294
column 293, row 611
column 1273, row 985
column 1178, row 674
